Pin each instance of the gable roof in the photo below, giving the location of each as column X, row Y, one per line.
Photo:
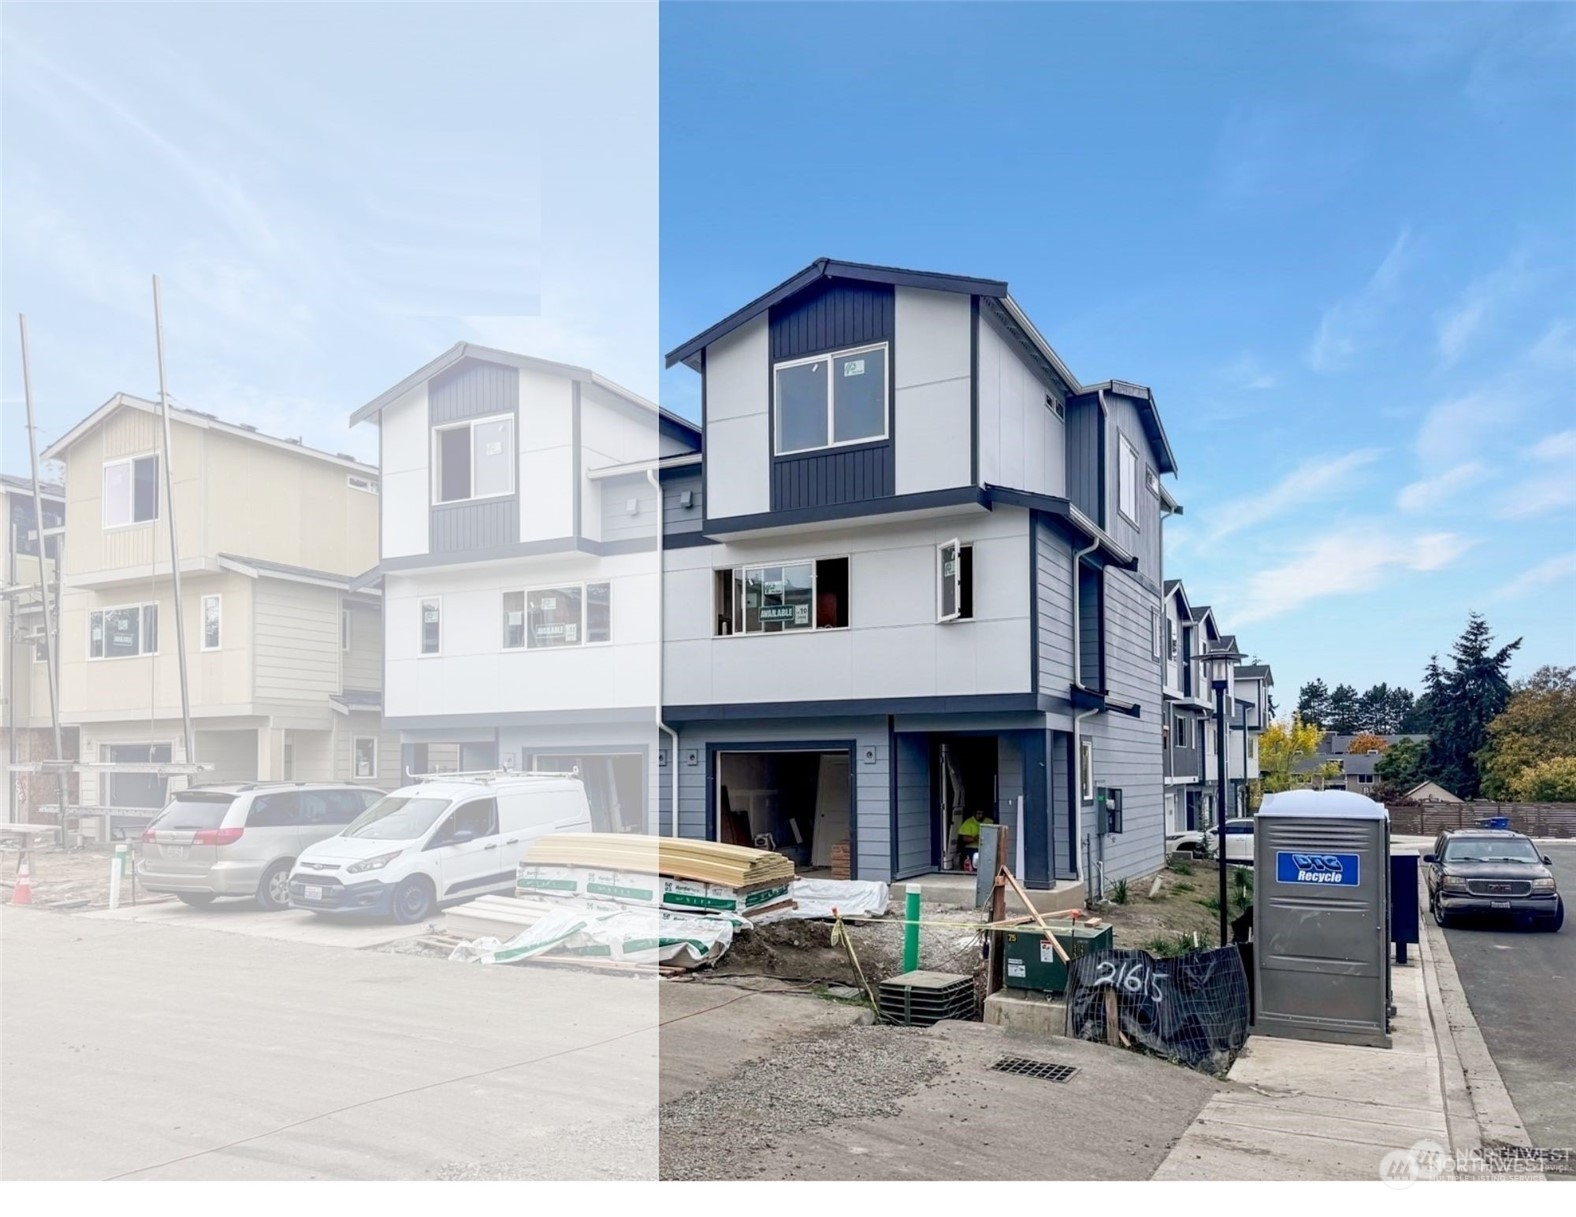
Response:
column 1256, row 671
column 673, row 424
column 22, row 485
column 1003, row 309
column 207, row 422
column 1174, row 588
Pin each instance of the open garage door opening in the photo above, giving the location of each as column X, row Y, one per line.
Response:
column 794, row 802
column 614, row 782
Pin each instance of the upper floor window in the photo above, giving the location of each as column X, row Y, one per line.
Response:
column 365, row 485
column 1127, row 480
column 431, row 626
column 473, row 459
column 830, row 400
column 785, row 596
column 131, row 491
column 566, row 616
column 211, row 609
column 117, row 633
column 955, row 581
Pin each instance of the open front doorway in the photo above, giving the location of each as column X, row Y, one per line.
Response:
column 795, row 801
column 965, row 784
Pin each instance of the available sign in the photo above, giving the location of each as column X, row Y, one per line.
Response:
column 1339, row 870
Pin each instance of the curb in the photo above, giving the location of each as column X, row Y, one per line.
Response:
column 1478, row 1107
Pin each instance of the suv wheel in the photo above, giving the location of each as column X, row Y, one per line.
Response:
column 1553, row 924
column 1441, row 918
column 273, row 893
column 413, row 900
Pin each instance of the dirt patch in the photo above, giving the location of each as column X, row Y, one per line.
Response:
column 71, row 881
column 1186, row 905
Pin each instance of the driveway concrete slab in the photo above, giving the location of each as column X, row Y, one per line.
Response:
column 243, row 917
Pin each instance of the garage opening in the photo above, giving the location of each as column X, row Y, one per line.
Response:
column 614, row 781
column 794, row 802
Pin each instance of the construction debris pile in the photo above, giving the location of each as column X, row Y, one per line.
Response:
column 622, row 900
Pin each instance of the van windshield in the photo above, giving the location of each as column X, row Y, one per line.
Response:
column 397, row 818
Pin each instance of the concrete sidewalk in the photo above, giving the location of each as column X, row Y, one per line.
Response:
column 1315, row 1111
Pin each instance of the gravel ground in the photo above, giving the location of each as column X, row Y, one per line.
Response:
column 860, row 1073
column 70, row 880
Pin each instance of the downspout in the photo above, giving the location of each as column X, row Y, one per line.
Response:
column 1078, row 836
column 653, row 477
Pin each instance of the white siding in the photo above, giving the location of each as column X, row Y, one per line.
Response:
column 1022, row 442
column 545, row 477
column 931, row 398
column 405, row 492
column 738, row 439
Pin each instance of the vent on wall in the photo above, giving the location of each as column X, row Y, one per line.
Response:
column 1054, row 406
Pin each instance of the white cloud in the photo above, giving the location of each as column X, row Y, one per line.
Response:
column 1561, row 566
column 1427, row 494
column 1453, row 430
column 1317, row 478
column 1557, row 347
column 1342, row 563
column 1538, row 496
column 1246, row 372
column 1348, row 326
column 1460, row 323
column 1561, row 446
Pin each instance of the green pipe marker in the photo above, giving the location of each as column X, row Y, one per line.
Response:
column 911, row 930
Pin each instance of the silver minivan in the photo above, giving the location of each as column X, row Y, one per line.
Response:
column 242, row 838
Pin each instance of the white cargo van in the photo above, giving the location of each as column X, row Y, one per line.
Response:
column 441, row 841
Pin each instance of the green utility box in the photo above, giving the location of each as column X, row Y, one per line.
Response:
column 1032, row 962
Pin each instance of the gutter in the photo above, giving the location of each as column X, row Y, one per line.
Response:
column 1078, row 719
column 656, row 712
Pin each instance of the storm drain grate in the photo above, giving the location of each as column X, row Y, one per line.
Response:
column 1047, row 1071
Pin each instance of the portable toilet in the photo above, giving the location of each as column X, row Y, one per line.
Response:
column 1321, row 911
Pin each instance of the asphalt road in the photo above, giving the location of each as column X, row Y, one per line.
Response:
column 1521, row 985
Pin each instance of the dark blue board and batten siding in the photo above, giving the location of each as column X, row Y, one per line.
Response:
column 474, row 388
column 833, row 317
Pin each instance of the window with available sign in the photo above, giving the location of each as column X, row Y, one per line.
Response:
column 118, row 633
column 811, row 594
column 572, row 615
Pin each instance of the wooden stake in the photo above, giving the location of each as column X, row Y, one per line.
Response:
column 1039, row 920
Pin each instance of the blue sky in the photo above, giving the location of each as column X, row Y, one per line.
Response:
column 1337, row 241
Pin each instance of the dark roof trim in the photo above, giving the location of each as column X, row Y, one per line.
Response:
column 959, row 496
column 1092, row 699
column 1149, row 412
column 828, row 268
column 982, row 703
column 1008, row 320
column 1069, row 517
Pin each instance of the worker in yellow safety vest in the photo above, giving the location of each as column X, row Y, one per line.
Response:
column 969, row 839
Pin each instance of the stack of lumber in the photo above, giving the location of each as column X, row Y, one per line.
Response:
column 499, row 917
column 734, row 866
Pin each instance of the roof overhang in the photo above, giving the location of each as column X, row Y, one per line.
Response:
column 1069, row 517
column 255, row 568
column 1148, row 412
column 1093, row 699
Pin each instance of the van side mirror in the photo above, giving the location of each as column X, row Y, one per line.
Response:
column 1429, row 858
column 460, row 836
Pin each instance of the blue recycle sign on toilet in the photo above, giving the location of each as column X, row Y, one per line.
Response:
column 1335, row 870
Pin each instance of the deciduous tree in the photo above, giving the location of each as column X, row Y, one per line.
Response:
column 1401, row 767
column 1538, row 725
column 1367, row 741
column 1284, row 743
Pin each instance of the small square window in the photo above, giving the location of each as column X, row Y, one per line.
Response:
column 366, row 756
column 211, row 606
column 431, row 627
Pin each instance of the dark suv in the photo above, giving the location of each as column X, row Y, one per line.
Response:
column 1491, row 872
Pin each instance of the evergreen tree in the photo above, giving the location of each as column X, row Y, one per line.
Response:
column 1464, row 701
column 1313, row 703
column 1343, row 711
column 1400, row 710
column 1373, row 710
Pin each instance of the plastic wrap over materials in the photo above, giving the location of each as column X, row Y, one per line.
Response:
column 1192, row 1009
column 815, row 899
column 625, row 934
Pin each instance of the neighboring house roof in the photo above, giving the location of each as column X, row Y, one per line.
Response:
column 1255, row 671
column 1004, row 310
column 196, row 418
column 1431, row 792
column 24, row 485
column 1338, row 744
column 260, row 568
column 357, row 700
column 674, row 423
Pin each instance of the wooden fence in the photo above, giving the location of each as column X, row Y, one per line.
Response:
column 1534, row 819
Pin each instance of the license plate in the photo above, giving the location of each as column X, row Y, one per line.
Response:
column 175, row 852
column 1499, row 904
column 312, row 893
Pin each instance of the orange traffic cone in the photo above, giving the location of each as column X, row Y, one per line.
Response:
column 22, row 893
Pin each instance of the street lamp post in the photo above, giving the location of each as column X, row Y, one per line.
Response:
column 1221, row 663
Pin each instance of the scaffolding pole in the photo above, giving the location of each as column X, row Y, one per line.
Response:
column 50, row 656
column 169, row 510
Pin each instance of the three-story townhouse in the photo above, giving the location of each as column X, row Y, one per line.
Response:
column 282, row 656
column 518, row 560
column 926, row 585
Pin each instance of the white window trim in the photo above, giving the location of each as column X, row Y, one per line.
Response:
column 957, row 581
column 355, row 745
column 158, row 491
column 421, row 626
column 1086, row 782
column 525, row 609
column 1123, row 447
column 345, row 630
column 1154, row 630
column 514, row 458
column 744, row 568
column 831, row 397
column 118, row 608
column 202, row 621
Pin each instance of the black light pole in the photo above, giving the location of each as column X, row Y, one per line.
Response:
column 1221, row 663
